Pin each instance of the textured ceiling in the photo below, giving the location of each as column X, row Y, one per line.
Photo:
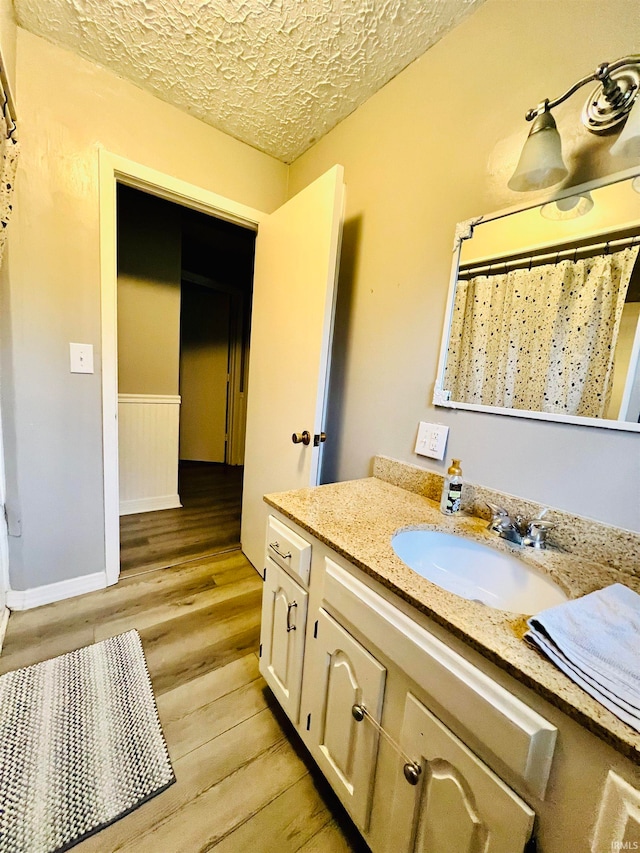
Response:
column 277, row 74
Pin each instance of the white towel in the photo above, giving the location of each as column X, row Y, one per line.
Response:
column 595, row 640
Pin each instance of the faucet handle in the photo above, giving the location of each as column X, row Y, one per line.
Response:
column 500, row 519
column 497, row 511
column 537, row 530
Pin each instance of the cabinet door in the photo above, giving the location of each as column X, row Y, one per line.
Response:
column 459, row 805
column 340, row 673
column 618, row 823
column 284, row 618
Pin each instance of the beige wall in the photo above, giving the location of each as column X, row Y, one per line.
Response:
column 434, row 147
column 204, row 362
column 8, row 38
column 149, row 254
column 68, row 109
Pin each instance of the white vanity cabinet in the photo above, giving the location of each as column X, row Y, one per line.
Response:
column 494, row 757
column 284, row 614
column 618, row 824
column 284, row 617
column 458, row 803
column 340, row 674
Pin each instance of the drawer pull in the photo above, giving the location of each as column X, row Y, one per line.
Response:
column 412, row 769
column 290, row 607
column 275, row 546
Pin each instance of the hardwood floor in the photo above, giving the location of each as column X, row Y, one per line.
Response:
column 244, row 780
column 207, row 523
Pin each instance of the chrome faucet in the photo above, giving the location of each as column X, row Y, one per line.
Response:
column 519, row 530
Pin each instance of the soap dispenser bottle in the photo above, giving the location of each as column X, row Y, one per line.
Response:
column 452, row 489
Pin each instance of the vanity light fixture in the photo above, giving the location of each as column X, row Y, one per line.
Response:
column 570, row 207
column 612, row 101
column 541, row 164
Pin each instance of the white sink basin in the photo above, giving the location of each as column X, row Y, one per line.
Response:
column 476, row 571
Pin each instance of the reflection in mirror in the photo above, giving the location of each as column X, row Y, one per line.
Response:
column 544, row 317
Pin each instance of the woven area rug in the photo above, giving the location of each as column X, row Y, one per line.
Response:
column 80, row 745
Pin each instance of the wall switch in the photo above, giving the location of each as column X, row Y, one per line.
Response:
column 81, row 358
column 432, row 440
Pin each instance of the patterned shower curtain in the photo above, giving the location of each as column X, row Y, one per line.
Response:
column 8, row 166
column 540, row 339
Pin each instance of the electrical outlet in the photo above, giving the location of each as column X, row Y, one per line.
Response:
column 432, row 440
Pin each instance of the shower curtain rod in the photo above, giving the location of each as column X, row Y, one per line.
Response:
column 564, row 254
column 8, row 106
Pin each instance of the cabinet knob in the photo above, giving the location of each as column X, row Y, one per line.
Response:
column 412, row 771
column 301, row 437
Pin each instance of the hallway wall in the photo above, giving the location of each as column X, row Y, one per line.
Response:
column 204, row 362
column 149, row 267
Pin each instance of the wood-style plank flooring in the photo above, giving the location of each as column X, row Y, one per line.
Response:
column 244, row 781
column 207, row 523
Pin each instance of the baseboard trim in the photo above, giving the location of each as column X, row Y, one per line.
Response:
column 25, row 599
column 150, row 504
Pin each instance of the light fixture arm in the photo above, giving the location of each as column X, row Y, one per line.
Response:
column 610, row 102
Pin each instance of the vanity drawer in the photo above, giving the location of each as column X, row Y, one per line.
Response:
column 517, row 735
column 287, row 549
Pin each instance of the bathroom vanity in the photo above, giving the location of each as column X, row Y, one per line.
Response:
column 435, row 723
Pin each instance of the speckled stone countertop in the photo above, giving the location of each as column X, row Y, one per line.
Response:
column 357, row 520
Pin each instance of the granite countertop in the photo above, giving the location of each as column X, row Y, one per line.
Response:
column 357, row 519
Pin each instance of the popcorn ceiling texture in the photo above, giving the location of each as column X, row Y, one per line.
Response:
column 276, row 74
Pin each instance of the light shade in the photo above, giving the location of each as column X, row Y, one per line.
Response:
column 541, row 164
column 628, row 143
column 570, row 207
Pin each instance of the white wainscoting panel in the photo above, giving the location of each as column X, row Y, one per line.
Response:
column 148, row 429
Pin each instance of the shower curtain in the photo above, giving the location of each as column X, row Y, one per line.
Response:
column 8, row 166
column 540, row 339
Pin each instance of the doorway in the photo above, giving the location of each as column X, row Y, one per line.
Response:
column 184, row 307
column 294, row 282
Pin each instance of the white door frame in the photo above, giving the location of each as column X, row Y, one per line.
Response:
column 113, row 170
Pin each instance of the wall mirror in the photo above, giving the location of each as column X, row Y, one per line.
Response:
column 543, row 315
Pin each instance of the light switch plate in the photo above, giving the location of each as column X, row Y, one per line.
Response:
column 81, row 358
column 432, row 440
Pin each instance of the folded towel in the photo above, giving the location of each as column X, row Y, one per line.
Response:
column 595, row 640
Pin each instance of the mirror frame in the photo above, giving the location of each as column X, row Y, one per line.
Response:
column 464, row 231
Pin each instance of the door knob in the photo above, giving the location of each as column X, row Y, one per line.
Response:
column 301, row 437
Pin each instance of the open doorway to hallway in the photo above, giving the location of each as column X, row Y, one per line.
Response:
column 184, row 307
column 208, row 522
